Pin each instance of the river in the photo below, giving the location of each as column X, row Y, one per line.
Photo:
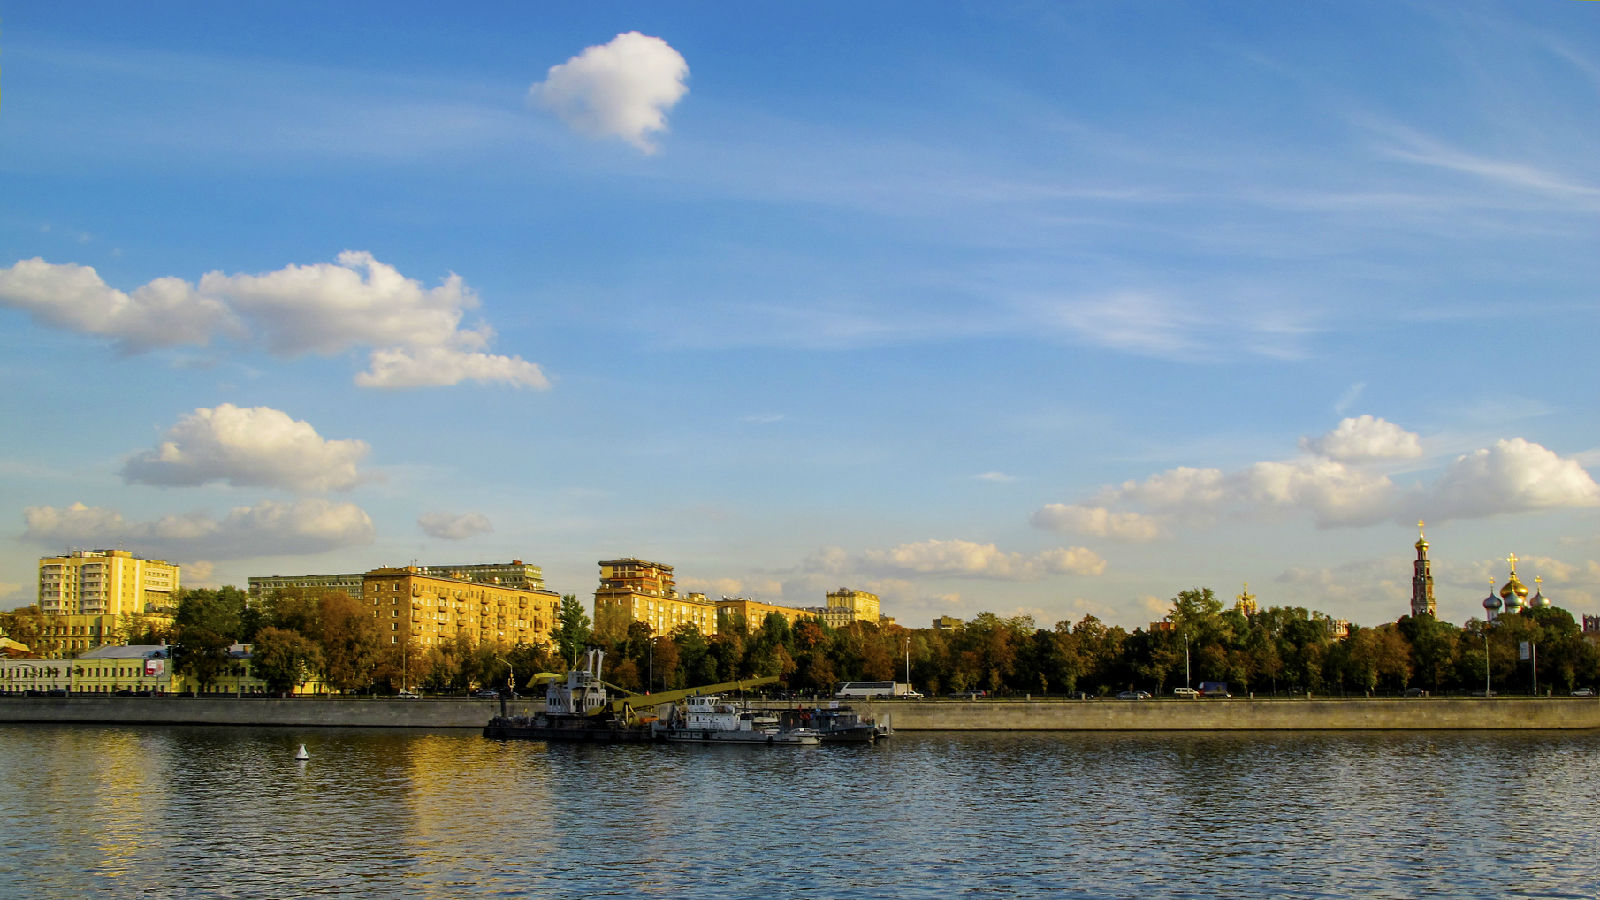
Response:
column 167, row 812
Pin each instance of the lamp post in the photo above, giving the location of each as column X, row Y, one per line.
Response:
column 1486, row 690
column 908, row 661
column 1188, row 678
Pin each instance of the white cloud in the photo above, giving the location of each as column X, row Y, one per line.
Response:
column 1334, row 493
column 1071, row 561
column 622, row 89
column 1365, row 439
column 967, row 558
column 166, row 312
column 996, row 477
column 259, row 447
column 454, row 526
column 1512, row 476
column 735, row 587
column 445, row 366
column 415, row 335
column 269, row 528
column 1098, row 522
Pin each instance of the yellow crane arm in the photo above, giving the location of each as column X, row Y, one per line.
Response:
column 619, row 705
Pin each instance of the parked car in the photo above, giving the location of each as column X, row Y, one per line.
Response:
column 1583, row 692
column 409, row 695
column 1080, row 695
column 486, row 694
column 1416, row 692
column 1134, row 695
column 1189, row 692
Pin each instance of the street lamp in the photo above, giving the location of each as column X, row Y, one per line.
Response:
column 1188, row 678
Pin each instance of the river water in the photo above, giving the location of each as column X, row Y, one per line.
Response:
column 213, row 812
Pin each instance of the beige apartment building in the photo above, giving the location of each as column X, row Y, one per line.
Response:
column 513, row 574
column 95, row 597
column 846, row 605
column 409, row 603
column 637, row 590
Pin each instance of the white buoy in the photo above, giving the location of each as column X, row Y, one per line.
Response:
column 302, row 755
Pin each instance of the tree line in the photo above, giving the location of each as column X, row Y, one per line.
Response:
column 1277, row 650
column 326, row 636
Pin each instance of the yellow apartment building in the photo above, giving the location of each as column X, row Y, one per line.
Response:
column 846, row 605
column 409, row 603
column 92, row 598
column 637, row 590
column 755, row 612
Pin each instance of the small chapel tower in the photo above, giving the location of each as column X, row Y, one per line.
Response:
column 1422, row 580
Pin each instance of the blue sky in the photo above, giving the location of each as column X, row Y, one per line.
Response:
column 1033, row 308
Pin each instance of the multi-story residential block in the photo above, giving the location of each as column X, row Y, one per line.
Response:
column 514, row 574
column 754, row 612
column 409, row 603
column 846, row 605
column 262, row 586
column 95, row 597
column 637, row 590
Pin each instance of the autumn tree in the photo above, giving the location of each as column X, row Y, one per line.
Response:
column 284, row 658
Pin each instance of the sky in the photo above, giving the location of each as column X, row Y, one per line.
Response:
column 1045, row 309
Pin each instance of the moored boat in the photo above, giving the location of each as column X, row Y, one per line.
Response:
column 712, row 719
column 835, row 724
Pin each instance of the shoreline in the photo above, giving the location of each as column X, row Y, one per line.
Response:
column 1239, row 714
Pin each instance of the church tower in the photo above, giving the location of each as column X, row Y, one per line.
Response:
column 1421, row 580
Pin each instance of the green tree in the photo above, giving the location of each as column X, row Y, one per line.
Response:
column 572, row 631
column 284, row 659
column 200, row 653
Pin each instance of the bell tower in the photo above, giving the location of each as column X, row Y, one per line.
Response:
column 1421, row 579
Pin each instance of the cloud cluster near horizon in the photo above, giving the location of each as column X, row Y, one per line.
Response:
column 414, row 335
column 1338, row 484
column 622, row 89
column 958, row 558
column 269, row 528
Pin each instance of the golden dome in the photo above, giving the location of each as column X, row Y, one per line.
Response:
column 1514, row 587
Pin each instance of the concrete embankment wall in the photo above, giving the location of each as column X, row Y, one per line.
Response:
column 929, row 715
column 1239, row 714
column 298, row 712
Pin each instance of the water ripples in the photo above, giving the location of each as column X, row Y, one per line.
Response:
column 191, row 812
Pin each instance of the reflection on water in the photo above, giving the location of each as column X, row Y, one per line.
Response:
column 188, row 812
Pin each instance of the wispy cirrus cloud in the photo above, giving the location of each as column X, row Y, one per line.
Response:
column 454, row 526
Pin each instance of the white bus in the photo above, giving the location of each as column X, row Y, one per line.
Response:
column 875, row 690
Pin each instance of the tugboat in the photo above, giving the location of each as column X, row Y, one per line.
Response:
column 575, row 709
column 709, row 719
column 836, row 724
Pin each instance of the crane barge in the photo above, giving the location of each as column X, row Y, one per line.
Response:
column 579, row 707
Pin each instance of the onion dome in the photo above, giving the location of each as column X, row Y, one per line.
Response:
column 1422, row 541
column 1514, row 588
column 1491, row 603
column 1539, row 601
